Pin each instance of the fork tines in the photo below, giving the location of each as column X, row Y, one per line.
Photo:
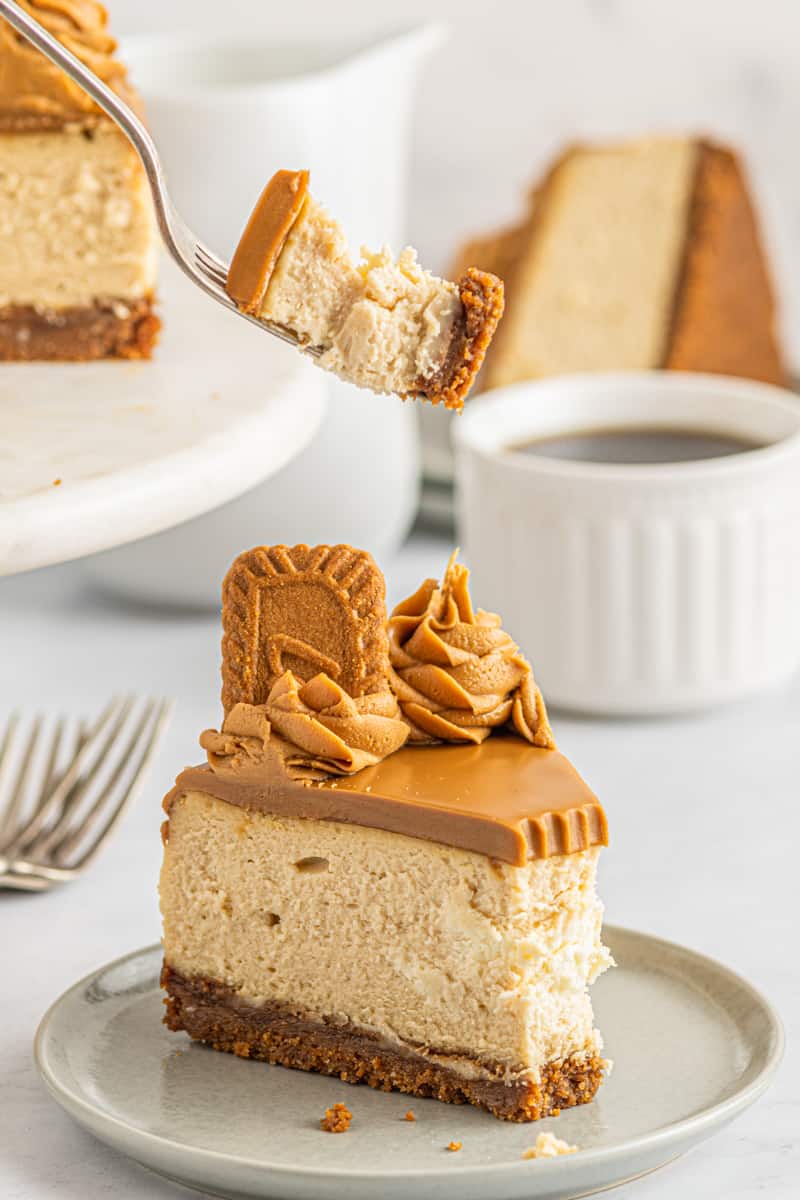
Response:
column 65, row 785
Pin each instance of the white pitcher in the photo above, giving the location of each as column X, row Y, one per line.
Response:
column 225, row 114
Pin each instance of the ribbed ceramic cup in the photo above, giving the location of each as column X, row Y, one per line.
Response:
column 638, row 588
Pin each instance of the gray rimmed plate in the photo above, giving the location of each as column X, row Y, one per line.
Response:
column 693, row 1044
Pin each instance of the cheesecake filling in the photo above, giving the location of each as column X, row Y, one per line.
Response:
column 383, row 324
column 76, row 215
column 338, row 923
column 594, row 289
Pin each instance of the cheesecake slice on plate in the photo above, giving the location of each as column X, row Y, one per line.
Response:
column 77, row 233
column 385, row 871
column 384, row 324
column 635, row 255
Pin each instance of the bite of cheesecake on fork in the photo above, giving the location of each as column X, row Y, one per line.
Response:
column 385, row 324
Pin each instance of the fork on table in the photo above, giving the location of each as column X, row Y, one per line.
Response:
column 63, row 791
column 198, row 262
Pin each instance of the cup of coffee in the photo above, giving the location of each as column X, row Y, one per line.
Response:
column 640, row 534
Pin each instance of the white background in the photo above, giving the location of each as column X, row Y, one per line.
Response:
column 520, row 77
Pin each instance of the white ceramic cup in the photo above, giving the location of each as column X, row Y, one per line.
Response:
column 638, row 588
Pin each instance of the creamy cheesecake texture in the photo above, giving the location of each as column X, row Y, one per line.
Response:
column 382, row 324
column 642, row 254
column 76, row 221
column 596, row 286
column 444, row 951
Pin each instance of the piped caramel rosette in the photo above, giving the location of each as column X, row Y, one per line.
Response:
column 456, row 673
column 34, row 92
column 316, row 728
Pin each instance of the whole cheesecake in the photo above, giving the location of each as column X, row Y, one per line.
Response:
column 78, row 235
column 385, row 871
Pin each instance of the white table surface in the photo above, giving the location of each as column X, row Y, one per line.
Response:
column 729, row 889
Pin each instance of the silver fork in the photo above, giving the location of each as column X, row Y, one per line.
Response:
column 62, row 806
column 202, row 266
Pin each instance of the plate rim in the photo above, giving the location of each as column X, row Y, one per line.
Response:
column 702, row 1123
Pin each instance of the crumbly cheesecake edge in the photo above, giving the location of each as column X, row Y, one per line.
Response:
column 482, row 300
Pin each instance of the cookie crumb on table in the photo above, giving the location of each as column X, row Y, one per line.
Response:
column 409, row 1116
column 336, row 1119
column 454, row 1145
column 548, row 1146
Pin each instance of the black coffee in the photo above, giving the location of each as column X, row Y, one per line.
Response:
column 647, row 444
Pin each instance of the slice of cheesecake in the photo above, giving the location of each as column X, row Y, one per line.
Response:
column 638, row 255
column 420, row 917
column 383, row 324
column 78, row 236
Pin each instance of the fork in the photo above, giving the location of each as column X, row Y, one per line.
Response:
column 61, row 809
column 202, row 266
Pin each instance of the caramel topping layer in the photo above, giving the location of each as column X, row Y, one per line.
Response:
column 33, row 87
column 323, row 731
column 504, row 799
column 456, row 673
column 263, row 239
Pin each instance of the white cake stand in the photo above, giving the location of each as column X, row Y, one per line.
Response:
column 98, row 454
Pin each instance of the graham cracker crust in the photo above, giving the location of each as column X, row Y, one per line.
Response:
column 724, row 318
column 128, row 329
column 481, row 296
column 212, row 1013
column 22, row 122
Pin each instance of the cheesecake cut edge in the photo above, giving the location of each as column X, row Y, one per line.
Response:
column 482, row 301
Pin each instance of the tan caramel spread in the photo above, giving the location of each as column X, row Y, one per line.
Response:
column 505, row 798
column 456, row 673
column 34, row 89
column 330, row 744
column 325, row 732
column 262, row 241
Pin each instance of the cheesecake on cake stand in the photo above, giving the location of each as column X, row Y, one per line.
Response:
column 77, row 231
column 385, row 871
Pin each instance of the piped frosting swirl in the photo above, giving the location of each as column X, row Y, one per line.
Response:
column 316, row 727
column 456, row 673
column 33, row 88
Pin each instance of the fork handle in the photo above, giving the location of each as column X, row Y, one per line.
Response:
column 119, row 112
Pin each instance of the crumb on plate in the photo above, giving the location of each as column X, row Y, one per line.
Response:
column 454, row 1145
column 548, row 1146
column 409, row 1116
column 336, row 1119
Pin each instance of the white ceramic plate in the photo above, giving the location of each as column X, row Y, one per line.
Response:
column 692, row 1043
column 139, row 447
